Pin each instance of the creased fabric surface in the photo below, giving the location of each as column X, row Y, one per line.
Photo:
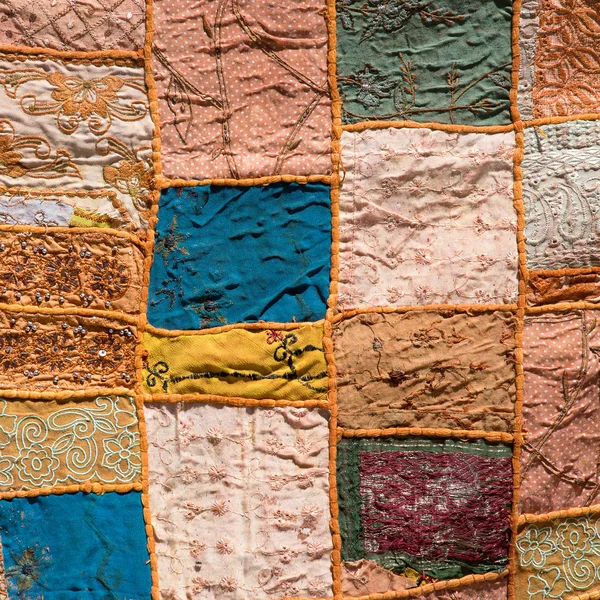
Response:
column 242, row 88
column 423, row 369
column 241, row 254
column 240, row 501
column 75, row 545
column 426, row 217
column 560, row 403
column 276, row 364
column 436, row 507
column 443, row 61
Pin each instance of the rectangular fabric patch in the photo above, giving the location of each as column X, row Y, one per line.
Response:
column 299, row 300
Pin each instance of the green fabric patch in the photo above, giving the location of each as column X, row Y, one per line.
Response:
column 448, row 61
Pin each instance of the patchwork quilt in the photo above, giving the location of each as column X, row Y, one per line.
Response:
column 299, row 299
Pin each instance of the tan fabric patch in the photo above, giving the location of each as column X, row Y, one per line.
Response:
column 90, row 270
column 45, row 443
column 68, row 25
column 43, row 352
column 545, row 288
column 426, row 369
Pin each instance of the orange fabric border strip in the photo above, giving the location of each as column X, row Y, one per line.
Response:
column 72, row 54
column 259, row 326
column 87, row 488
column 559, row 514
column 231, row 400
column 522, row 299
column 266, row 180
column 490, row 436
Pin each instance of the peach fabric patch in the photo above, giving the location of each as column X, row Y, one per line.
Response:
column 242, row 88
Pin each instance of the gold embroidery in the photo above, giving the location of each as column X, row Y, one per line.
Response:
column 75, row 99
column 32, row 156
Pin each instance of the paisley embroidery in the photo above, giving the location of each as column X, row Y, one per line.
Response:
column 75, row 99
column 32, row 156
column 44, row 444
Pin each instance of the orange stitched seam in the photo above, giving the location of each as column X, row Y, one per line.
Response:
column 522, row 298
column 556, row 120
column 266, row 180
column 458, row 308
column 491, row 436
column 260, row 326
column 561, row 307
column 566, row 271
column 112, row 315
column 449, row 127
column 88, row 487
column 98, row 57
column 558, row 514
column 74, row 231
column 336, row 134
column 157, row 167
column 232, row 400
column 65, row 394
column 438, row 586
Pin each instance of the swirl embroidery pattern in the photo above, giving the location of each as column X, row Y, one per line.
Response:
column 559, row 560
column 74, row 99
column 44, row 444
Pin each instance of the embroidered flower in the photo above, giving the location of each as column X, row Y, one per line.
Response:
column 214, row 435
column 219, row 508
column 224, row 547
column 110, row 278
column 535, row 545
column 15, row 350
column 197, row 548
column 373, row 86
column 547, row 585
column 574, row 539
column 37, row 464
column 228, row 584
column 216, row 474
column 123, row 455
column 28, row 568
column 62, row 274
column 274, row 336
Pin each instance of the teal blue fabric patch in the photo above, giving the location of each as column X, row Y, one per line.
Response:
column 75, row 546
column 240, row 254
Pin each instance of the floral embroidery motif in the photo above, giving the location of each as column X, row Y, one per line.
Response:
column 209, row 473
column 47, row 445
column 42, row 352
column 74, row 99
column 567, row 61
column 28, row 568
column 58, row 269
column 133, row 176
column 427, row 217
column 426, row 369
column 380, row 42
column 32, row 156
column 559, row 558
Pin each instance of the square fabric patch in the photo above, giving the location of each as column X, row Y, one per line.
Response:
column 426, row 369
column 240, row 501
column 559, row 559
column 69, row 124
column 242, row 88
column 427, row 217
column 274, row 364
column 74, row 546
column 443, row 61
column 561, row 193
column 438, row 507
column 567, row 64
column 73, row 25
column 560, row 401
column 240, row 254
